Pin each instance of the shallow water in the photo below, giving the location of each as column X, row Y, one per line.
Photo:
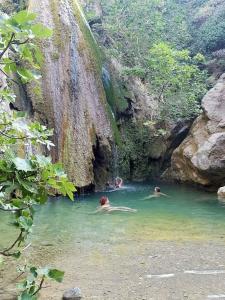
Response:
column 187, row 214
column 175, row 241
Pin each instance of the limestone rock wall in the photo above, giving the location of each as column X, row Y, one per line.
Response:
column 201, row 156
column 71, row 98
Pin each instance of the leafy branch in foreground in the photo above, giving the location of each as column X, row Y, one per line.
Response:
column 26, row 176
column 35, row 280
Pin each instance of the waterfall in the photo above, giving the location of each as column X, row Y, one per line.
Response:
column 115, row 166
column 110, row 96
column 108, row 87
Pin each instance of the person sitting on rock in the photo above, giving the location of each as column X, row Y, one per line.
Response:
column 118, row 182
column 106, row 207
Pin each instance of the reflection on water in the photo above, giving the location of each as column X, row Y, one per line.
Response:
column 187, row 214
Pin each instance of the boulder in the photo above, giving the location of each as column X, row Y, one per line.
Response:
column 201, row 156
column 221, row 192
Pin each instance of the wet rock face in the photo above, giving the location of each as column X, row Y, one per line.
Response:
column 201, row 156
column 71, row 98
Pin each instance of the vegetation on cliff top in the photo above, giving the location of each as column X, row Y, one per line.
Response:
column 132, row 28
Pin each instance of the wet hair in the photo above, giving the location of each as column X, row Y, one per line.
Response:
column 157, row 189
column 103, row 200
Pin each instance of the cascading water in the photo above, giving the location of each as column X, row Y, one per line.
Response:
column 110, row 97
column 108, row 87
column 115, row 165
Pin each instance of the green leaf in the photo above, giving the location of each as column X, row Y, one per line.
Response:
column 25, row 74
column 8, row 95
column 38, row 55
column 10, row 68
column 27, row 54
column 22, row 164
column 43, row 161
column 42, row 196
column 25, row 223
column 34, row 271
column 26, row 296
column 17, row 203
column 17, row 254
column 56, row 275
column 23, row 17
column 41, row 31
column 43, row 271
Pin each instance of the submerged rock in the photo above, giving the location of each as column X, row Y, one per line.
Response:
column 201, row 156
column 72, row 294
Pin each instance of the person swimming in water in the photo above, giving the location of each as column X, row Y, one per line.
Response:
column 118, row 182
column 106, row 207
column 109, row 186
column 157, row 193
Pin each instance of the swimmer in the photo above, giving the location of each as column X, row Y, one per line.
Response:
column 109, row 185
column 157, row 193
column 106, row 207
column 118, row 182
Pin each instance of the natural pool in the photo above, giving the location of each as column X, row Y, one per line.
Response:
column 167, row 230
column 186, row 214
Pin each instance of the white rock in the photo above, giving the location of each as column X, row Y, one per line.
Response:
column 221, row 192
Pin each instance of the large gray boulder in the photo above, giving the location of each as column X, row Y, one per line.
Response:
column 201, row 156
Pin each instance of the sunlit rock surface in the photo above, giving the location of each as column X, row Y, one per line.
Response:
column 201, row 156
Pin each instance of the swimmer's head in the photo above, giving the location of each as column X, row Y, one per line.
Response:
column 104, row 200
column 157, row 189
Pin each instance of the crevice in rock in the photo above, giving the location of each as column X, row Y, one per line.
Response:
column 101, row 163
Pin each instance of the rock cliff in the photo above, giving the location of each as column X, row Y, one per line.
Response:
column 201, row 156
column 71, row 97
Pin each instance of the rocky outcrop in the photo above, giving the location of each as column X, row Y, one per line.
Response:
column 71, row 98
column 201, row 156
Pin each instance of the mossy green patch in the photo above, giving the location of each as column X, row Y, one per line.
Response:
column 92, row 46
column 115, row 95
column 89, row 46
column 133, row 163
column 59, row 32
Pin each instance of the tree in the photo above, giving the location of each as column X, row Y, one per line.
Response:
column 26, row 176
column 134, row 26
column 176, row 80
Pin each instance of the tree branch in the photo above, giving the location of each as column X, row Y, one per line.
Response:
column 9, row 77
column 13, row 137
column 13, row 209
column 4, row 252
column 20, row 43
column 40, row 286
column 7, row 46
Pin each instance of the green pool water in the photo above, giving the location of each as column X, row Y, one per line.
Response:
column 187, row 214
